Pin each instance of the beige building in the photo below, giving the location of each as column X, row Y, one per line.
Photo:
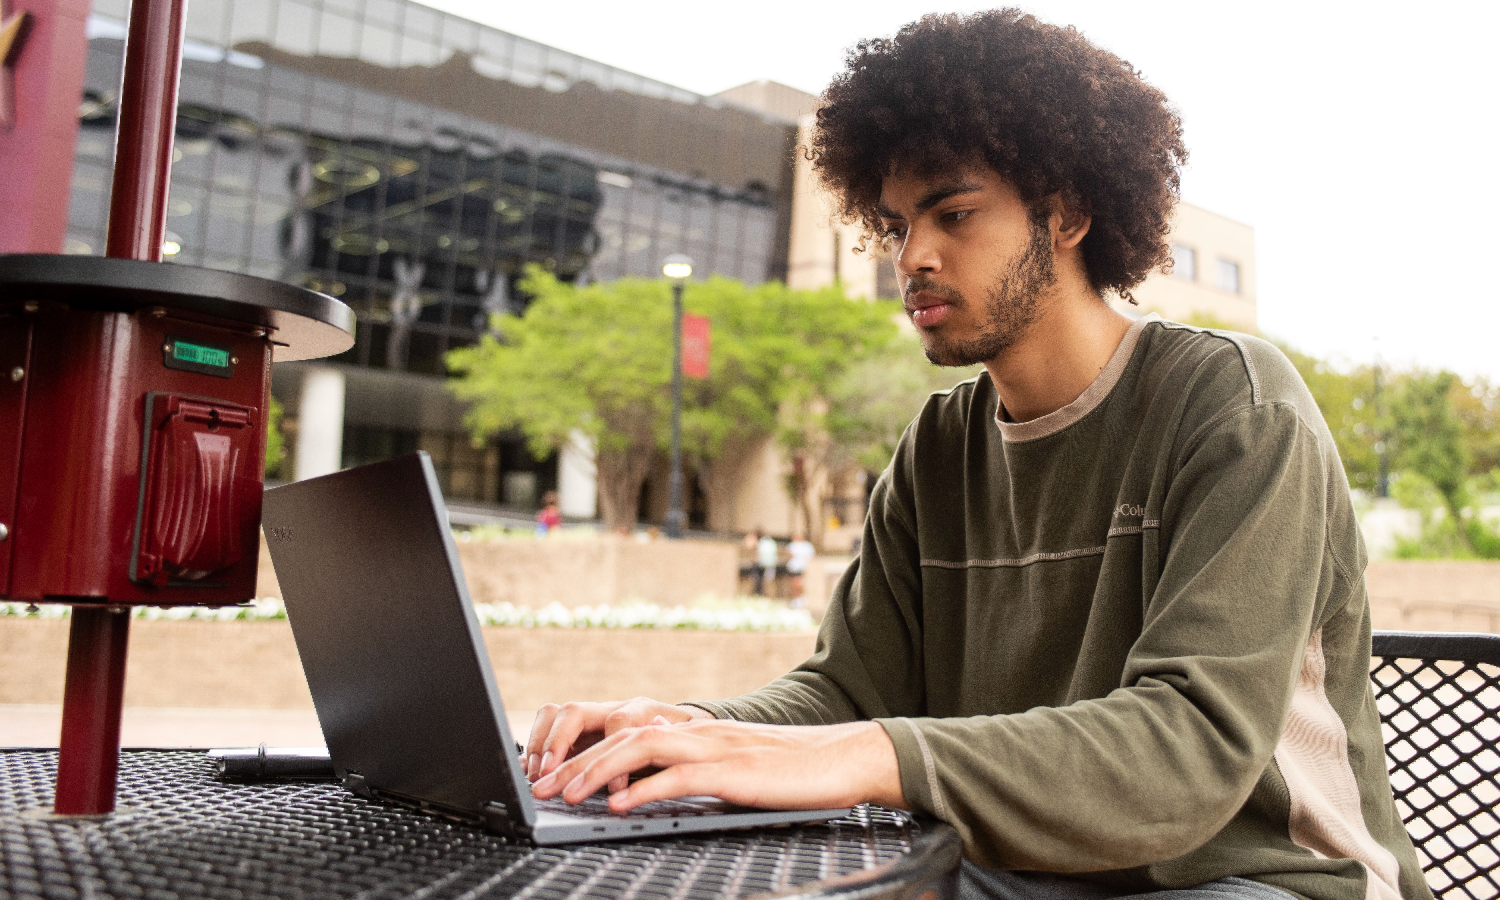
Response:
column 1213, row 274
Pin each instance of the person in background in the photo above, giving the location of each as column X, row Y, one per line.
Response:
column 549, row 516
column 799, row 556
column 767, row 558
column 752, row 569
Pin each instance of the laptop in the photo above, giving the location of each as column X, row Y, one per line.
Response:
column 398, row 671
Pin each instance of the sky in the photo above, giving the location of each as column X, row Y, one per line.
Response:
column 1358, row 139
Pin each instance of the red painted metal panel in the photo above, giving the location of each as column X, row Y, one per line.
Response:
column 188, row 524
column 15, row 352
column 45, row 81
column 81, row 468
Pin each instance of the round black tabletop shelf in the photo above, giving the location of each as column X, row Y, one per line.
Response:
column 181, row 832
column 302, row 324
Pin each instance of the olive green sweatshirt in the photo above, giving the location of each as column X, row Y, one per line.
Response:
column 1129, row 639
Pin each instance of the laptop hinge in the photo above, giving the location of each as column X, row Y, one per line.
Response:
column 497, row 818
column 355, row 784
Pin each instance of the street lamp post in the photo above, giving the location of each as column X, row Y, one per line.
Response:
column 676, row 267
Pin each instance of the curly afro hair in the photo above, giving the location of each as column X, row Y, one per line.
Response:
column 1047, row 110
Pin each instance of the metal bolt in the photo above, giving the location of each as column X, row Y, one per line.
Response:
column 259, row 332
column 157, row 312
column 17, row 373
column 4, row 532
column 30, row 306
column 235, row 360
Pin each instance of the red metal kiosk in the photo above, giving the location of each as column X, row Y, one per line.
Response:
column 132, row 419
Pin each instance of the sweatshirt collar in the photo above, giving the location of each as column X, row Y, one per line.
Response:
column 1084, row 403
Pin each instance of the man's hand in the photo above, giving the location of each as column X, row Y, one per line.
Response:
column 560, row 732
column 781, row 766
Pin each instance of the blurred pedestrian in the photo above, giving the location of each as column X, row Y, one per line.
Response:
column 767, row 558
column 550, row 515
column 800, row 554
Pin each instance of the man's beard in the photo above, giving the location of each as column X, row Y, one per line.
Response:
column 1013, row 304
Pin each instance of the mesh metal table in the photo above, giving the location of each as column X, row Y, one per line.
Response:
column 182, row 833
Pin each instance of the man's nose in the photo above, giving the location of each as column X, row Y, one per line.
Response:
column 917, row 253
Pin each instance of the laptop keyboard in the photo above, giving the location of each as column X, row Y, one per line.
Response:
column 597, row 806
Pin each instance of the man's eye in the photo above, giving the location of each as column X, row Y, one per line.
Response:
column 957, row 215
column 892, row 233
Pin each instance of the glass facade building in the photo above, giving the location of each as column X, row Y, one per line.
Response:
column 411, row 163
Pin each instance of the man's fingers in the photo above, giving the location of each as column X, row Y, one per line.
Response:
column 618, row 756
column 678, row 781
column 572, row 721
column 541, row 726
column 640, row 711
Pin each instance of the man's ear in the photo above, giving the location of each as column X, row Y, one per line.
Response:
column 1070, row 220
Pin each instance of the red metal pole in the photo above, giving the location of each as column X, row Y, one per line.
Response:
column 148, row 119
column 88, row 760
column 88, row 755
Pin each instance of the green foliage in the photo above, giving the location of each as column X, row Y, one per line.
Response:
column 275, row 441
column 1443, row 535
column 1351, row 406
column 771, row 345
column 597, row 360
column 1476, row 402
column 874, row 400
column 1429, row 437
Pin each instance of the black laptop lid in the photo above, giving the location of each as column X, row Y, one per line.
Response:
column 389, row 642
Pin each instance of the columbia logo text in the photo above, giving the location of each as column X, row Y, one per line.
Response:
column 1130, row 509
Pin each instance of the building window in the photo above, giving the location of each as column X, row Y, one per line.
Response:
column 1184, row 262
column 1229, row 276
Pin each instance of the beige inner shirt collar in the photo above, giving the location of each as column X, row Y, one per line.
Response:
column 1084, row 403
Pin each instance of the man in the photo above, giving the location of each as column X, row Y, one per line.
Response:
column 1108, row 618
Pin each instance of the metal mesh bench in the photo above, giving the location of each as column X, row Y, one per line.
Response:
column 1439, row 702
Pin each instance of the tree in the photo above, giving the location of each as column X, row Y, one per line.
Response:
column 597, row 359
column 836, row 338
column 1352, row 407
column 1429, row 438
column 593, row 359
column 770, row 344
column 874, row 400
column 1476, row 402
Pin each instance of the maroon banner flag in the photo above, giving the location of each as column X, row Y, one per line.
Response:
column 694, row 345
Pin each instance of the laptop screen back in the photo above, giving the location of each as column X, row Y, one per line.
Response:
column 390, row 644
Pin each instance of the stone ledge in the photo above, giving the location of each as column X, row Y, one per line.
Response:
column 254, row 665
column 582, row 571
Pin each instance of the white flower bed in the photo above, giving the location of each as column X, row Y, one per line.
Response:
column 741, row 614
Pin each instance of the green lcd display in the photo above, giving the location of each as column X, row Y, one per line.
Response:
column 192, row 356
column 203, row 356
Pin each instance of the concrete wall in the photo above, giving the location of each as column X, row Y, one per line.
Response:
column 254, row 665
column 583, row 571
column 1434, row 595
